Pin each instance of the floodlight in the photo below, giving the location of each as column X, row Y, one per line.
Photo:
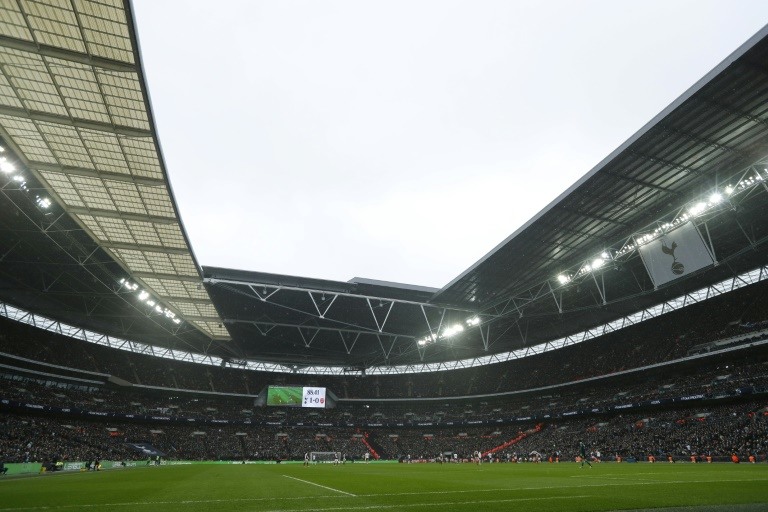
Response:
column 150, row 302
column 473, row 321
column 715, row 198
column 143, row 295
column 6, row 166
column 176, row 321
column 563, row 279
column 729, row 190
column 597, row 263
column 697, row 209
column 452, row 330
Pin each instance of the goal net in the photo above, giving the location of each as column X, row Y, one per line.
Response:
column 324, row 457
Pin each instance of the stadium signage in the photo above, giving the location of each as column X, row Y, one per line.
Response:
column 71, row 411
column 691, row 397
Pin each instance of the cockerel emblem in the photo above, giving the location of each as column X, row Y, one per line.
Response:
column 677, row 267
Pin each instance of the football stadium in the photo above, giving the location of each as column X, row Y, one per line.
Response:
column 610, row 354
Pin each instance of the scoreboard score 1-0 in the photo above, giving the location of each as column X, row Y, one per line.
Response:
column 296, row 396
column 313, row 397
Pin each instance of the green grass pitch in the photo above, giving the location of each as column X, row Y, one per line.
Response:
column 459, row 487
column 284, row 395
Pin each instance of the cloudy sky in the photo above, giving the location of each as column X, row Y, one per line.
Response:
column 403, row 140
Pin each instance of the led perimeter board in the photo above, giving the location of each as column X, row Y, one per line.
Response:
column 296, row 396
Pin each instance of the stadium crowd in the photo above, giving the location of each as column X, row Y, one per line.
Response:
column 712, row 430
column 729, row 419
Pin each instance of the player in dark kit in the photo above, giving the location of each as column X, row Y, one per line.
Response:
column 583, row 454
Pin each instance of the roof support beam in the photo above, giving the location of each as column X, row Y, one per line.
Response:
column 264, row 286
column 642, row 183
column 45, row 117
column 45, row 50
column 665, row 162
column 324, row 312
column 169, row 277
column 187, row 300
column 194, row 318
column 381, row 325
column 384, row 350
column 591, row 216
column 93, row 173
column 114, row 214
column 261, row 325
column 145, row 248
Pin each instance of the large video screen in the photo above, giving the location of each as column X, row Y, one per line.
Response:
column 296, row 396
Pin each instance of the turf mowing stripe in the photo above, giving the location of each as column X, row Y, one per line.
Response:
column 318, row 485
column 383, row 495
column 174, row 502
column 439, row 504
column 547, row 487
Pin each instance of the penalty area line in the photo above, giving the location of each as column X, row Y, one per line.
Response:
column 323, row 486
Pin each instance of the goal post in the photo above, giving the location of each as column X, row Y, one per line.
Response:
column 324, row 457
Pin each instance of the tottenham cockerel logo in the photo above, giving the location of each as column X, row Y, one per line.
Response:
column 677, row 267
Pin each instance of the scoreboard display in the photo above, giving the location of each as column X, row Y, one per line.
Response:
column 296, row 396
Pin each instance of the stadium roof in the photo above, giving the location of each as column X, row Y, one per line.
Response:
column 75, row 112
column 90, row 232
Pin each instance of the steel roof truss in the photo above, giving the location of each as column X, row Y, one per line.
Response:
column 35, row 115
column 210, row 280
column 523, row 334
column 324, row 312
column 485, row 335
column 45, row 50
column 557, row 296
column 260, row 324
column 264, row 296
column 263, row 332
column 93, row 173
column 600, row 286
column 347, row 347
column 734, row 111
column 391, row 346
column 434, row 334
column 10, row 250
column 380, row 326
column 307, row 343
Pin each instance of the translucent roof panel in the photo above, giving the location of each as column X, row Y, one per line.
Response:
column 72, row 104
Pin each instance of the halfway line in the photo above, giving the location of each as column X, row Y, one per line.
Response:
column 318, row 485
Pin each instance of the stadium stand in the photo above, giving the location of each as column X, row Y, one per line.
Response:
column 691, row 382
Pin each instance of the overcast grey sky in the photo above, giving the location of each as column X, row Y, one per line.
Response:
column 403, row 140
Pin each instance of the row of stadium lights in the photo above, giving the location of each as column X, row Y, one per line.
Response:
column 145, row 297
column 448, row 332
column 694, row 210
column 9, row 168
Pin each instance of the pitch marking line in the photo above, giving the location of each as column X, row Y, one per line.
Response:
column 439, row 504
column 318, row 485
column 372, row 495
